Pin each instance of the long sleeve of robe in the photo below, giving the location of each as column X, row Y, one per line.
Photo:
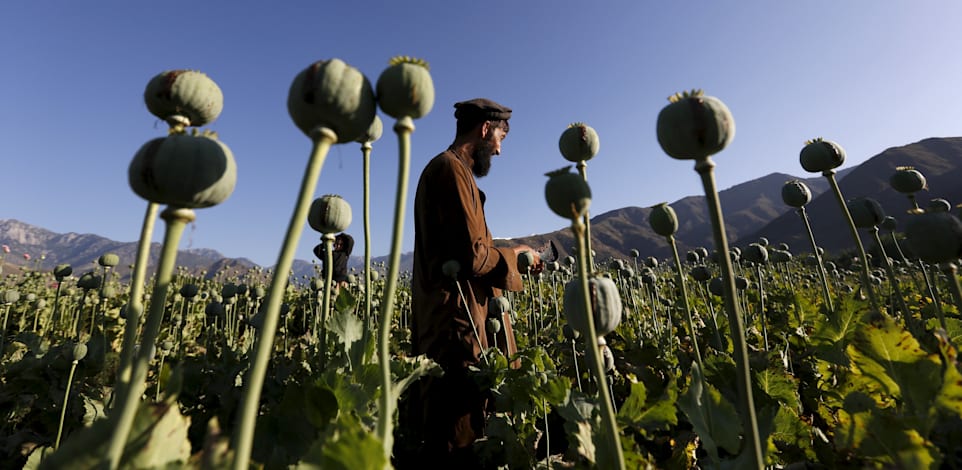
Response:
column 449, row 224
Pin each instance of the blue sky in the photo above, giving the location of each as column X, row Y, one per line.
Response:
column 869, row 75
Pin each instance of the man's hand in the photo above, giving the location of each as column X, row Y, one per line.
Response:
column 536, row 265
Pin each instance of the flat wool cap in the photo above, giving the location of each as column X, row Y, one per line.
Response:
column 481, row 109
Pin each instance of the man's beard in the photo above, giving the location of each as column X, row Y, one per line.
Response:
column 482, row 159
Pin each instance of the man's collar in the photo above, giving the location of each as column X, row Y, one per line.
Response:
column 463, row 157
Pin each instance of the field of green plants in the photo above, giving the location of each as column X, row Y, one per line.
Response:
column 722, row 357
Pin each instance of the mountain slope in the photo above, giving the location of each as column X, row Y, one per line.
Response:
column 939, row 159
column 752, row 209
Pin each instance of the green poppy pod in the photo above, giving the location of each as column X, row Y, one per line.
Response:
column 108, row 260
column 651, row 262
column 498, row 305
column 568, row 194
column 634, row 253
column 742, row 283
column 663, row 220
column 228, row 290
column 189, row 291
column 451, row 268
column 694, row 126
column 781, row 256
column 702, row 252
column 61, row 271
column 184, row 97
column 108, row 292
column 693, row 256
column 579, row 142
column 935, row 237
column 180, row 170
column 11, row 296
column 701, row 273
column 888, row 224
column 716, row 286
column 783, row 246
column 241, row 289
column 796, row 194
column 332, row 94
column 939, row 205
column 570, row 333
column 78, row 352
column 608, row 358
column 819, row 155
column 907, row 180
column 494, row 325
column 605, row 301
column 88, row 281
column 616, row 264
column 525, row 261
column 405, row 88
column 259, row 292
column 866, row 212
column 756, row 253
column 329, row 214
column 373, row 132
column 763, row 241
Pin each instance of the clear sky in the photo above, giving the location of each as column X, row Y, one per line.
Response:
column 867, row 74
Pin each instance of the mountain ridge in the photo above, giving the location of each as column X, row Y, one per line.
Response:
column 752, row 209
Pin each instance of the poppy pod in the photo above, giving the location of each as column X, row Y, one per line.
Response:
column 405, row 88
column 184, row 97
column 567, row 193
column 332, row 94
column 525, row 261
column 889, row 223
column 820, row 155
column 189, row 291
column 498, row 305
column 907, row 180
column 780, row 256
column 605, row 304
column 939, row 205
column 866, row 212
column 373, row 132
column 694, row 126
column 579, row 142
column 756, row 253
column 108, row 260
column 88, row 281
column 329, row 214
column 78, row 352
column 494, row 325
column 701, row 273
column 11, row 296
column 61, row 271
column 186, row 171
column 936, row 237
column 663, row 220
column 796, row 194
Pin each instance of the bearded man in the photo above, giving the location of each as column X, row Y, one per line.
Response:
column 449, row 225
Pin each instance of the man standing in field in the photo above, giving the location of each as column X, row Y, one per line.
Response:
column 449, row 225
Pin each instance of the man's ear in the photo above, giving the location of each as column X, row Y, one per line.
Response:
column 485, row 128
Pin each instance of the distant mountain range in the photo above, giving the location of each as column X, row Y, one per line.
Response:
column 751, row 210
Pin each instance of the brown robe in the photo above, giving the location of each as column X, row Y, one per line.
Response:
column 449, row 224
